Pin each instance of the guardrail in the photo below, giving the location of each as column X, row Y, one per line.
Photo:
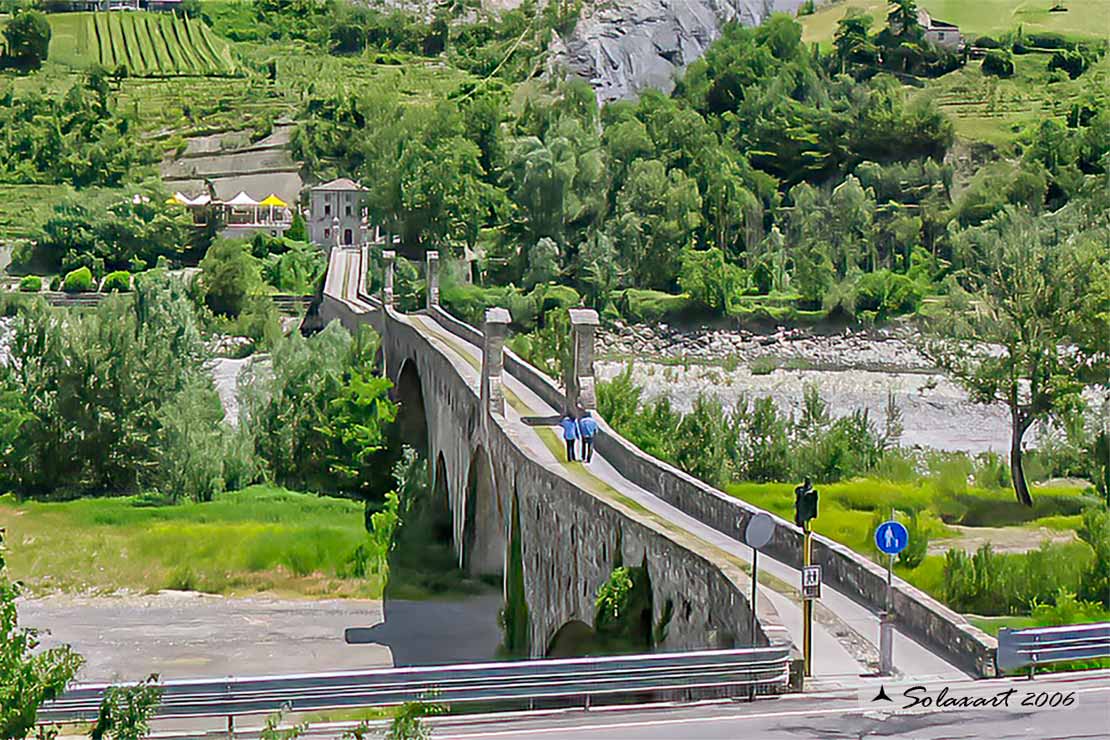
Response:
column 1029, row 648
column 764, row 670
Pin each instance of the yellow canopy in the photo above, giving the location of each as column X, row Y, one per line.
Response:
column 173, row 202
column 273, row 201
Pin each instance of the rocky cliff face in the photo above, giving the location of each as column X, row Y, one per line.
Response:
column 624, row 46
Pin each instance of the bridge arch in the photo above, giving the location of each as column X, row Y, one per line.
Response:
column 484, row 524
column 408, row 391
column 575, row 639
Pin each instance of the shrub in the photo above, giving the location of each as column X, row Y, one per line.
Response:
column 652, row 306
column 28, row 37
column 987, row 42
column 762, row 366
column 469, row 302
column 988, row 583
column 918, row 547
column 78, row 281
column 1095, row 532
column 116, row 282
column 30, row 284
column 998, row 63
column 1048, row 40
column 1072, row 62
column 887, row 294
column 990, row 470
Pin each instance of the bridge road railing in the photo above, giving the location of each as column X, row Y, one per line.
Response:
column 671, row 676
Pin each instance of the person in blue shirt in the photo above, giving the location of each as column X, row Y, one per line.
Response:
column 587, row 429
column 570, row 434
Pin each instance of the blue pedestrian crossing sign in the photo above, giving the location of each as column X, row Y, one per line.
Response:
column 892, row 537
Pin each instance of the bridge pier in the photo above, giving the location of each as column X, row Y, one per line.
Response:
column 431, row 278
column 581, row 392
column 493, row 361
column 389, row 256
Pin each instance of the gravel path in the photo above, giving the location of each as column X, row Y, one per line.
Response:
column 189, row 635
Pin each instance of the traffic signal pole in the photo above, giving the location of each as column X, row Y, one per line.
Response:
column 807, row 609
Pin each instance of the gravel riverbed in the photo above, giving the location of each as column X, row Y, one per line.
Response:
column 852, row 370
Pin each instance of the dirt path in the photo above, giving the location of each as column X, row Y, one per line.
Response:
column 1002, row 539
column 189, row 635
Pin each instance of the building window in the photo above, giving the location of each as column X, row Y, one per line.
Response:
column 348, row 210
column 327, row 209
column 327, row 233
column 940, row 36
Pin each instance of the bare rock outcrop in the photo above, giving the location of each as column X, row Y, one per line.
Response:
column 624, row 46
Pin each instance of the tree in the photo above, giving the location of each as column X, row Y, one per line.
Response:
column 902, row 19
column 28, row 37
column 126, row 711
column 229, row 275
column 711, row 280
column 1033, row 329
column 28, row 676
column 659, row 212
column 852, row 40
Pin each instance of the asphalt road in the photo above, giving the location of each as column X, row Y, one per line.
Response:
column 839, row 715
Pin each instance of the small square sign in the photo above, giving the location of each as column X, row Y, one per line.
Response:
column 811, row 582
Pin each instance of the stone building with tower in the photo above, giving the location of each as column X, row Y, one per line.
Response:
column 337, row 213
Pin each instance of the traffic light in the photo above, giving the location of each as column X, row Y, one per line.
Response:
column 805, row 504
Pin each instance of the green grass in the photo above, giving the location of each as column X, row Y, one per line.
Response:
column 1085, row 18
column 24, row 207
column 259, row 539
column 848, row 508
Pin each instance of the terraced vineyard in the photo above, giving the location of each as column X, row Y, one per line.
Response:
column 152, row 44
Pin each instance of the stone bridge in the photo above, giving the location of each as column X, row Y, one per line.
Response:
column 488, row 418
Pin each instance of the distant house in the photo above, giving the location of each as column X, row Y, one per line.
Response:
column 106, row 5
column 940, row 33
column 337, row 213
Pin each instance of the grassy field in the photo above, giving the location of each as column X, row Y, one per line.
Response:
column 259, row 539
column 848, row 508
column 147, row 44
column 1084, row 18
column 24, row 207
column 994, row 110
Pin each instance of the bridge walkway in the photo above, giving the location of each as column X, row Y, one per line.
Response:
column 845, row 633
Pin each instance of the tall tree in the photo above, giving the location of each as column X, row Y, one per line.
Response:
column 902, row 19
column 1033, row 331
column 852, row 39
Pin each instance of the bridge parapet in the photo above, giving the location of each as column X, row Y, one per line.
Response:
column 493, row 363
column 388, row 257
column 431, row 279
column 581, row 394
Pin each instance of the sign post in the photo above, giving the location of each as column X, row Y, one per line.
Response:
column 891, row 537
column 757, row 534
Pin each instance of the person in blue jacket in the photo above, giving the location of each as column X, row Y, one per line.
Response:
column 570, row 434
column 587, row 429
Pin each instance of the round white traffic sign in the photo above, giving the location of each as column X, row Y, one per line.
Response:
column 759, row 531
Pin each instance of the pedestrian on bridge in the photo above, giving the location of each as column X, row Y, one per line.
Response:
column 570, row 434
column 587, row 429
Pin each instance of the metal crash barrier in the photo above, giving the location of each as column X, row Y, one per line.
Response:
column 1029, row 648
column 765, row 669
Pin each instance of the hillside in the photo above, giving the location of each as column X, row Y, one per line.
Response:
column 145, row 44
column 1083, row 18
